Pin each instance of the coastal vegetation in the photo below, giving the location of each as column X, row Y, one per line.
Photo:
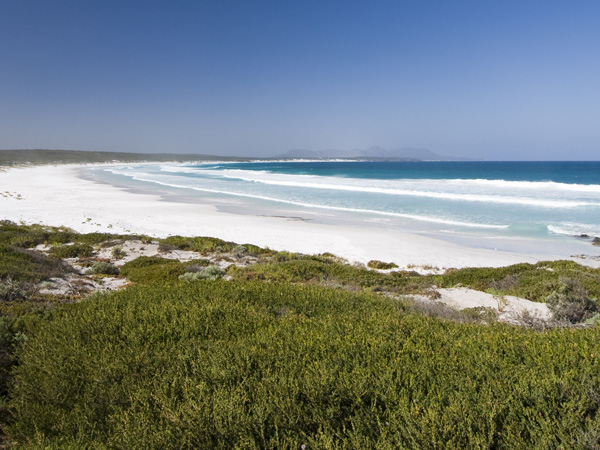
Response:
column 244, row 347
column 374, row 264
column 11, row 158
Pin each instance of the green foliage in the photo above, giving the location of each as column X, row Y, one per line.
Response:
column 206, row 245
column 94, row 238
column 32, row 235
column 571, row 304
column 17, row 320
column 146, row 239
column 196, row 265
column 11, row 290
column 258, row 365
column 254, row 250
column 102, row 268
column 198, row 244
column 374, row 264
column 26, row 265
column 118, row 253
column 150, row 269
column 211, row 273
column 594, row 320
column 239, row 251
column 327, row 271
column 76, row 250
column 144, row 261
column 27, row 236
column 531, row 281
column 278, row 359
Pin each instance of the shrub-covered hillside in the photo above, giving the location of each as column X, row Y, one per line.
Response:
column 255, row 365
column 212, row 344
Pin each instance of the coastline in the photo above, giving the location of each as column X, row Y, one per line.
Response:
column 57, row 195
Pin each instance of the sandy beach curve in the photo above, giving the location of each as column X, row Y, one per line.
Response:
column 56, row 195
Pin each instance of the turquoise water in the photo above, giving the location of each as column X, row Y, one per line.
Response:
column 517, row 206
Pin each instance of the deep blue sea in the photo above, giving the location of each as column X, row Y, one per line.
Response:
column 517, row 206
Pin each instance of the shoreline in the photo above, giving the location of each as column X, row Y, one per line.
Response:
column 57, row 195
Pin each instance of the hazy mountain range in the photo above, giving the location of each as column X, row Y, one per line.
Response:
column 379, row 153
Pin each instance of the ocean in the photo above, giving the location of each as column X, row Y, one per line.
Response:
column 531, row 207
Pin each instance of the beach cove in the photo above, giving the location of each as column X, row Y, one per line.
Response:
column 60, row 196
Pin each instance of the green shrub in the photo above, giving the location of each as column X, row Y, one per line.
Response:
column 76, row 250
column 11, row 289
column 93, row 238
column 259, row 365
column 27, row 236
column 374, row 264
column 118, row 253
column 211, row 273
column 29, row 265
column 190, row 276
column 150, row 269
column 531, row 281
column 325, row 270
column 571, row 304
column 594, row 320
column 254, row 250
column 197, row 244
column 239, row 251
column 102, row 268
column 166, row 248
column 196, row 265
column 111, row 243
column 144, row 261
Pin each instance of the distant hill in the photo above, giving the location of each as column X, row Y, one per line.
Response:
column 38, row 156
column 375, row 153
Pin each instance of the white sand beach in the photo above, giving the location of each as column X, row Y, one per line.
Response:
column 56, row 195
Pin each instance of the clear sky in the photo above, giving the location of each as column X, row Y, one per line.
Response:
column 491, row 79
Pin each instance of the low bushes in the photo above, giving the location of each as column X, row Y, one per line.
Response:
column 26, row 265
column 102, row 268
column 151, row 269
column 12, row 290
column 76, row 250
column 374, row 264
column 27, row 236
column 206, row 245
column 197, row 244
column 531, row 281
column 327, row 271
column 570, row 303
column 118, row 252
column 272, row 365
column 211, row 273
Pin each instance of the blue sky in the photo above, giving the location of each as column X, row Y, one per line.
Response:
column 489, row 79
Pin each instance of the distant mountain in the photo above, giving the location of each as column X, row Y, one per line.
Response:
column 375, row 153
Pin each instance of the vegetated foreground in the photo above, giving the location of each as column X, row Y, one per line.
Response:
column 287, row 351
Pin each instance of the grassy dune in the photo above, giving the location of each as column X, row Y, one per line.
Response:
column 288, row 350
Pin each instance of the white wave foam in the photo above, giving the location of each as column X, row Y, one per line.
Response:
column 142, row 177
column 532, row 185
column 263, row 175
column 575, row 229
column 412, row 188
